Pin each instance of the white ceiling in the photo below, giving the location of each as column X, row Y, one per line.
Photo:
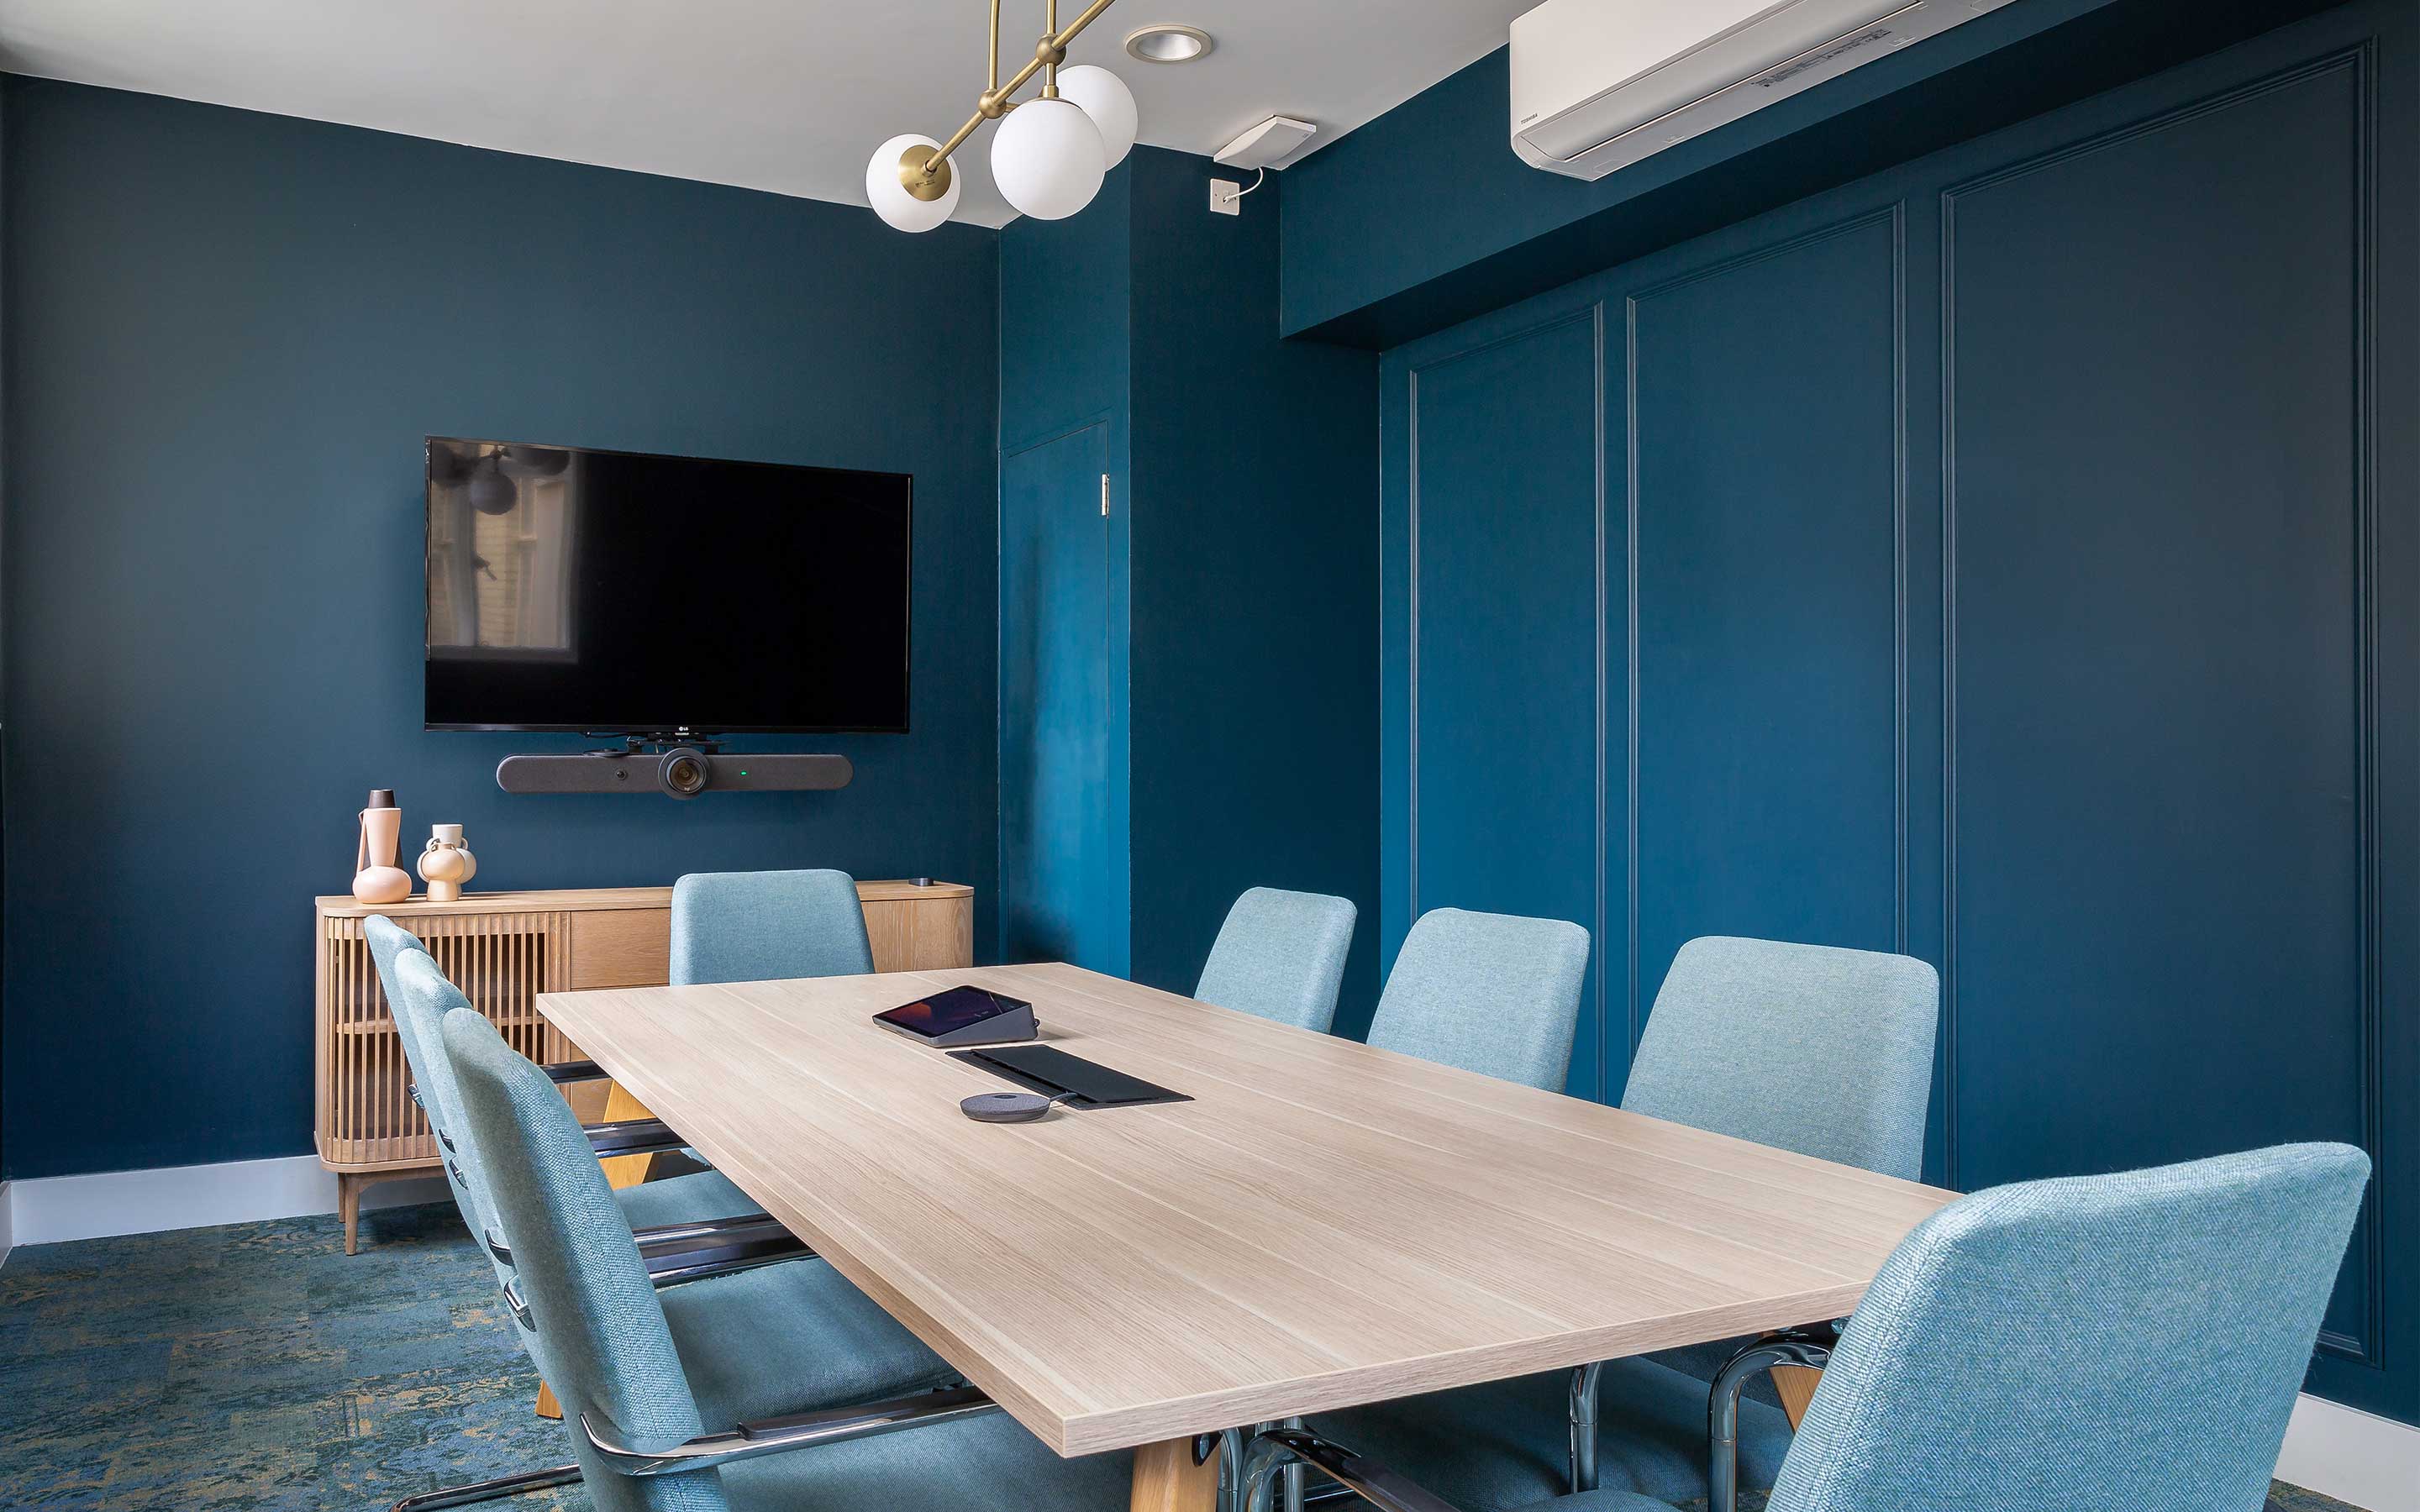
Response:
column 790, row 96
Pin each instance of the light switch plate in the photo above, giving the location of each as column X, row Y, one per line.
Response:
column 1226, row 196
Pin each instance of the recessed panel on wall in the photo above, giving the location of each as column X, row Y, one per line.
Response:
column 1765, row 501
column 1504, row 540
column 2161, row 932
column 1063, row 855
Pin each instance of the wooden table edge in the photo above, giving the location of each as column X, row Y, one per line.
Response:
column 1133, row 1428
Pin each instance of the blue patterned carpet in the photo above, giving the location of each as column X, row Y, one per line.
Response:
column 255, row 1367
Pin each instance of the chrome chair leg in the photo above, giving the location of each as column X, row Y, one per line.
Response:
column 1373, row 1482
column 1230, row 1471
column 1244, row 1489
column 1290, row 1486
column 1584, row 1427
column 490, row 1491
column 1797, row 1347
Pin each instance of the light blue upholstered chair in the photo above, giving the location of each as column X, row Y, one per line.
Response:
column 419, row 994
column 389, row 944
column 1807, row 1047
column 1507, row 1443
column 768, row 926
column 1497, row 994
column 1823, row 1051
column 639, row 1382
column 1280, row 955
column 1813, row 1048
column 2023, row 1349
column 690, row 1228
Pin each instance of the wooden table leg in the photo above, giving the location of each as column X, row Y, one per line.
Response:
column 625, row 1170
column 620, row 1171
column 1166, row 1479
column 1795, row 1385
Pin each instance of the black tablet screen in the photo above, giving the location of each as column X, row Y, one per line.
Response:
column 946, row 1012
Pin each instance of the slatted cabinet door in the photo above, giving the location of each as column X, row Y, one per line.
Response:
column 501, row 960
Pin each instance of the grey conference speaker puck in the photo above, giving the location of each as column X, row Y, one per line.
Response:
column 1006, row 1107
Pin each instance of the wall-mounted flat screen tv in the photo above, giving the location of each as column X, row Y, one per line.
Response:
column 615, row 591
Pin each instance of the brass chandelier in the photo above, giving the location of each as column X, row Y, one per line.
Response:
column 1048, row 157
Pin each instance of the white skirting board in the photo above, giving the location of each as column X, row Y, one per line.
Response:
column 57, row 1208
column 2370, row 1462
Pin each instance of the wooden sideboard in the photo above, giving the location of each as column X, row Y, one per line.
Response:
column 503, row 948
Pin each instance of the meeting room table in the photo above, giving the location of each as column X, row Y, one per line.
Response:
column 1320, row 1225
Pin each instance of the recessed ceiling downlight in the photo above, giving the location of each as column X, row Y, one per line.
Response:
column 1168, row 44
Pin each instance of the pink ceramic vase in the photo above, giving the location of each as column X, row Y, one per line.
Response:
column 376, row 878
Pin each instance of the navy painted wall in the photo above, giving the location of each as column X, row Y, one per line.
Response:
column 1426, row 216
column 1255, row 587
column 1241, row 578
column 226, row 334
column 1066, row 354
column 1062, row 833
column 2008, row 559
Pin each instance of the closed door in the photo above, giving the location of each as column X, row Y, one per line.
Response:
column 1062, row 861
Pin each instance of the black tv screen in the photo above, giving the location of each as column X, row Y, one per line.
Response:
column 617, row 591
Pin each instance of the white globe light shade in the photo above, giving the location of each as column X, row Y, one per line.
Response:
column 1048, row 159
column 890, row 199
column 1104, row 97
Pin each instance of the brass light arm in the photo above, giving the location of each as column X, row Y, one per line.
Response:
column 1050, row 65
column 925, row 174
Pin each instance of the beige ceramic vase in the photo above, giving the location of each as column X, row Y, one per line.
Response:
column 376, row 878
column 446, row 863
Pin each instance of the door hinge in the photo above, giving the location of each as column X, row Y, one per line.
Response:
column 1105, row 496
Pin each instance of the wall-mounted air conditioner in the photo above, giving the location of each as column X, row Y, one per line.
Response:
column 1598, row 85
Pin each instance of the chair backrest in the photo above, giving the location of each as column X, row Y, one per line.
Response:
column 768, row 926
column 1807, row 1047
column 1280, row 955
column 1495, row 993
column 390, row 943
column 417, row 996
column 387, row 940
column 423, row 999
column 2072, row 1346
column 601, row 1335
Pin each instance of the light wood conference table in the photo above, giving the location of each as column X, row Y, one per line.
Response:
column 1324, row 1225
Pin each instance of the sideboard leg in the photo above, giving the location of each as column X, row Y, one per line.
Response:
column 348, row 1206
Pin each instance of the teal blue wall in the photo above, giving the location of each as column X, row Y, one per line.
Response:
column 1255, row 572
column 2008, row 559
column 1239, row 577
column 1067, row 352
column 227, row 335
